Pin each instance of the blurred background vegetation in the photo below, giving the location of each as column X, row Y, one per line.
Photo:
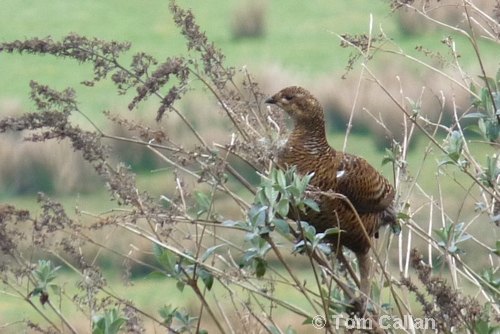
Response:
column 280, row 42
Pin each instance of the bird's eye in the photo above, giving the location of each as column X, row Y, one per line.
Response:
column 288, row 97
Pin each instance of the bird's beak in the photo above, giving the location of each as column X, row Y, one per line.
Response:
column 271, row 100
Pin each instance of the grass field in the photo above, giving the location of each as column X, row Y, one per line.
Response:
column 300, row 39
column 300, row 46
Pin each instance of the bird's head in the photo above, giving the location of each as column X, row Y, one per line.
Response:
column 300, row 104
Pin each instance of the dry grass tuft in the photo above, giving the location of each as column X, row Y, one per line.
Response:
column 29, row 167
column 249, row 19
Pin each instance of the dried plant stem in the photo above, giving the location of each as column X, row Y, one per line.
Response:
column 40, row 312
column 290, row 271
column 427, row 134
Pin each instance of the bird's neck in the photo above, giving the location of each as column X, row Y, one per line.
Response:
column 309, row 138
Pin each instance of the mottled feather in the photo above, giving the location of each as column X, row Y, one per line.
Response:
column 370, row 193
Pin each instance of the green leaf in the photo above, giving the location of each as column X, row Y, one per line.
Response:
column 168, row 261
column 207, row 278
column 486, row 102
column 282, row 226
column 481, row 327
column 332, row 230
column 260, row 198
column 98, row 325
column 281, row 179
column 402, row 215
column 44, row 274
column 299, row 247
column 458, row 228
column 249, row 255
column 447, row 162
column 167, row 313
column 490, row 81
column 203, row 202
column 415, row 105
column 494, row 131
column 482, row 127
column 257, row 215
column 243, row 225
column 273, row 329
column 442, row 234
column 260, row 267
column 474, row 128
column 386, row 160
column 228, row 223
column 39, row 276
column 110, row 323
column 283, row 207
column 36, row 291
column 158, row 251
column 295, row 191
column 202, row 199
column 310, row 233
column 180, row 286
column 497, row 250
column 326, row 249
column 454, row 145
column 52, row 275
column 156, row 274
column 473, row 88
column 271, row 194
column 265, row 230
column 479, row 206
column 389, row 157
column 116, row 325
column 312, row 204
column 463, row 237
column 209, row 251
column 305, row 181
column 474, row 115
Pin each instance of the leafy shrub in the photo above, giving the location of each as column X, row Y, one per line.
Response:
column 242, row 268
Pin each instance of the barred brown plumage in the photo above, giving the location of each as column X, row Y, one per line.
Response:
column 370, row 193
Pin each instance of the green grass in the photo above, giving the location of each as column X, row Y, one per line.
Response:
column 163, row 290
column 13, row 309
column 300, row 38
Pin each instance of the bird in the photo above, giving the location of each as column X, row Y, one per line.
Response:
column 337, row 172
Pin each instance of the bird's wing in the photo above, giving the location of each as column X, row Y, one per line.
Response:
column 365, row 187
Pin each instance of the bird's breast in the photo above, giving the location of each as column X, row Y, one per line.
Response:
column 312, row 159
